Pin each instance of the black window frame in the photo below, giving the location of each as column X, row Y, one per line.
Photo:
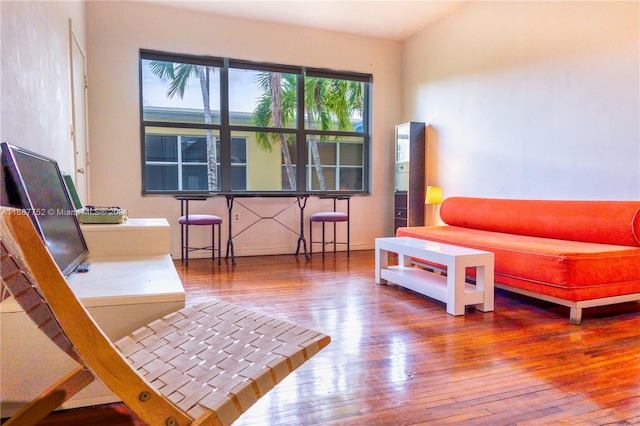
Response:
column 225, row 129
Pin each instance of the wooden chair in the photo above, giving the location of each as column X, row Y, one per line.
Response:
column 201, row 365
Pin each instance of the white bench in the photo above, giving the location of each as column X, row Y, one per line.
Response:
column 451, row 288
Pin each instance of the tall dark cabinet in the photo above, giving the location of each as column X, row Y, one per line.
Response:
column 409, row 174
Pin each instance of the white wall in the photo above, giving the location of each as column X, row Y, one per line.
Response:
column 117, row 30
column 526, row 100
column 530, row 99
column 36, row 79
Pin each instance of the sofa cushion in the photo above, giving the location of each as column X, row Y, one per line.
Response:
column 570, row 270
column 607, row 222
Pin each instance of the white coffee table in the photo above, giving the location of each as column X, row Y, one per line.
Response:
column 452, row 288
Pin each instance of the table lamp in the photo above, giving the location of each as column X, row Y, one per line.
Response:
column 433, row 197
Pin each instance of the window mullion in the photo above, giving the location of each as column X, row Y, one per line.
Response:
column 225, row 132
column 179, row 142
column 366, row 148
column 338, row 168
column 301, row 138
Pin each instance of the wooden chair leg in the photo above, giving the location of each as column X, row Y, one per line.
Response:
column 52, row 398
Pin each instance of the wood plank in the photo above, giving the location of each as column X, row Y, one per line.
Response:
column 397, row 357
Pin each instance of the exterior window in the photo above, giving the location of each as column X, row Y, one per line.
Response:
column 221, row 125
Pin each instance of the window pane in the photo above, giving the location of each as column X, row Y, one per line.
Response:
column 180, row 92
column 341, row 163
column 328, row 176
column 238, row 164
column 351, row 153
column 189, row 164
column 161, row 148
column 238, row 150
column 327, row 151
column 288, row 162
column 320, row 155
column 333, row 104
column 250, row 98
column 194, row 178
column 238, row 178
column 266, row 167
column 161, row 177
column 194, row 149
column 351, row 178
column 286, row 184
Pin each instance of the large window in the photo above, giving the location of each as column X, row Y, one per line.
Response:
column 214, row 124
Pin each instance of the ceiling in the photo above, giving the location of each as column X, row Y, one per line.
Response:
column 392, row 20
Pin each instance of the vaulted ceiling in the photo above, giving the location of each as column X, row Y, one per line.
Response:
column 392, row 20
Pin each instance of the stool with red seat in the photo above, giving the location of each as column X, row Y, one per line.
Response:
column 330, row 217
column 187, row 220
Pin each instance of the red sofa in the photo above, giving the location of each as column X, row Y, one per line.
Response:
column 578, row 254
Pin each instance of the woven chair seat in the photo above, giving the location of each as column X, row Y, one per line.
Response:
column 218, row 356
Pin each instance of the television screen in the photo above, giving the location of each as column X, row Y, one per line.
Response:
column 34, row 183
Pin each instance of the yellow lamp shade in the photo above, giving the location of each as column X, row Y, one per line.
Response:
column 434, row 195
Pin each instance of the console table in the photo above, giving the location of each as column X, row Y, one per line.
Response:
column 300, row 200
column 131, row 282
column 452, row 288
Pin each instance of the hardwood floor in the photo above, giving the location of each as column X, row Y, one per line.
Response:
column 397, row 358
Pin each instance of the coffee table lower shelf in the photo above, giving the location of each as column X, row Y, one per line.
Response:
column 451, row 289
column 428, row 283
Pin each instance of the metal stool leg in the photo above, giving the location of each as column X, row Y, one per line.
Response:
column 213, row 242
column 219, row 244
column 334, row 238
column 348, row 227
column 186, row 240
column 186, row 243
column 310, row 238
column 323, row 243
column 181, row 243
column 348, row 236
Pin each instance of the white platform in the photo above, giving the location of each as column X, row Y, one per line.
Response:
column 142, row 236
column 132, row 281
column 452, row 288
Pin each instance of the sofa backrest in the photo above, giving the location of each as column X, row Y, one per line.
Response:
column 609, row 222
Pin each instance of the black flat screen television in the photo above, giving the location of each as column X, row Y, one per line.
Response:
column 33, row 183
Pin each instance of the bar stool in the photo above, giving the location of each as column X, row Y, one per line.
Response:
column 330, row 217
column 187, row 220
column 199, row 220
